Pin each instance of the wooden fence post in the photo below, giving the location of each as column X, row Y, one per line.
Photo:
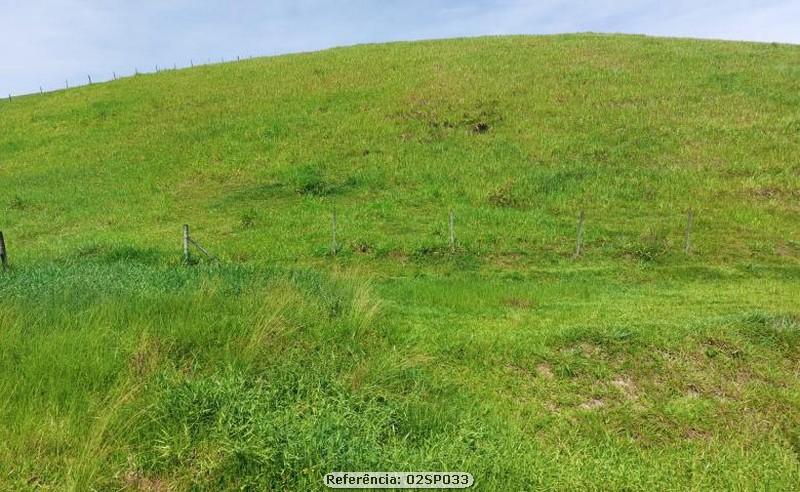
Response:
column 687, row 245
column 186, row 243
column 3, row 252
column 452, row 231
column 579, row 242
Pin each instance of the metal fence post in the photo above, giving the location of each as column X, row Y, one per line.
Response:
column 579, row 242
column 3, row 252
column 186, row 243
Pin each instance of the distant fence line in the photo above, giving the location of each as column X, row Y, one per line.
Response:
column 189, row 241
column 136, row 72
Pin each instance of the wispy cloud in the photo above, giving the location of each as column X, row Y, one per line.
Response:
column 45, row 43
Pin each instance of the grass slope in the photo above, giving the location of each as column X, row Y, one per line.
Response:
column 634, row 367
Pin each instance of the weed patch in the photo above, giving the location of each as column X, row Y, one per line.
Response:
column 651, row 246
column 310, row 180
column 778, row 331
column 441, row 118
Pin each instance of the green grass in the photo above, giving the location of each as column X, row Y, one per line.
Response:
column 634, row 367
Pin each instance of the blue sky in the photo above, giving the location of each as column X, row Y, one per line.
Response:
column 46, row 42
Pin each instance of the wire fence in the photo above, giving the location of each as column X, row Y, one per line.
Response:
column 189, row 242
column 115, row 76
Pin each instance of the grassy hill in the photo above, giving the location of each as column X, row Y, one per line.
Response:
column 634, row 366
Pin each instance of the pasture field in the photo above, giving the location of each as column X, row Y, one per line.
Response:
column 635, row 366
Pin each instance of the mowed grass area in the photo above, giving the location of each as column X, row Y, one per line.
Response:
column 633, row 367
